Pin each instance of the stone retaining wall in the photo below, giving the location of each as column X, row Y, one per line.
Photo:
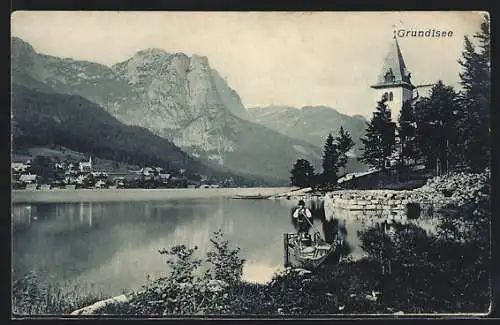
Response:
column 382, row 201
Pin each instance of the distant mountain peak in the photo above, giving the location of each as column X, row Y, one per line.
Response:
column 19, row 46
column 310, row 123
column 318, row 107
column 179, row 98
column 19, row 41
column 154, row 51
column 360, row 117
column 199, row 58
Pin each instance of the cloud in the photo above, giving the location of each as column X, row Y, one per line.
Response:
column 296, row 59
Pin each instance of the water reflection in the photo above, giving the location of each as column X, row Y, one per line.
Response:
column 347, row 225
column 115, row 244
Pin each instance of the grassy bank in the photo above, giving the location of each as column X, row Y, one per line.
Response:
column 31, row 295
column 407, row 271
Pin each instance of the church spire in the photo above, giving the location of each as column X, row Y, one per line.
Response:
column 394, row 71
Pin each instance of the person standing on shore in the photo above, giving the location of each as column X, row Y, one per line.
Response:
column 302, row 215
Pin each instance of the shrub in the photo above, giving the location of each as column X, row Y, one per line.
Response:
column 33, row 296
column 446, row 273
column 226, row 264
column 188, row 290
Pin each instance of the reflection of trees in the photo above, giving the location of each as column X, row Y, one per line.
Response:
column 432, row 272
column 66, row 246
column 336, row 229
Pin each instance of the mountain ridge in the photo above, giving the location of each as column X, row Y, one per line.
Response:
column 310, row 123
column 40, row 118
column 178, row 98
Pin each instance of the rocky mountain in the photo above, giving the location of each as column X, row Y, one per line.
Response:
column 177, row 97
column 46, row 119
column 309, row 123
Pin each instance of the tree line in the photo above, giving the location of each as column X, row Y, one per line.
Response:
column 334, row 159
column 447, row 130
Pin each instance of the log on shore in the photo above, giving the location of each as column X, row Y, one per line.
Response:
column 100, row 305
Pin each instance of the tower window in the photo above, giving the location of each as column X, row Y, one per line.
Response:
column 389, row 76
column 385, row 96
column 391, row 96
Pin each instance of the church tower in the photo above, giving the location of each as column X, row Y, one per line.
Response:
column 394, row 81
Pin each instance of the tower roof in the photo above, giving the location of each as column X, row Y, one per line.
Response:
column 394, row 72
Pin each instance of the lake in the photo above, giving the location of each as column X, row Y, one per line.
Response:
column 112, row 245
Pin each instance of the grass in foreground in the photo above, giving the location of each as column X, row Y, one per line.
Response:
column 33, row 296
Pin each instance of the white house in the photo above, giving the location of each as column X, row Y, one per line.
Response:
column 19, row 167
column 28, row 178
column 86, row 166
column 164, row 177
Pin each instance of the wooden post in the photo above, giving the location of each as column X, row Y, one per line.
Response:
column 286, row 261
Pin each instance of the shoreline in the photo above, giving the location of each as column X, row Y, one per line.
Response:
column 368, row 283
column 110, row 195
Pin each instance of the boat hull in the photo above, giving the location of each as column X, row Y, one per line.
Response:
column 307, row 256
column 252, row 197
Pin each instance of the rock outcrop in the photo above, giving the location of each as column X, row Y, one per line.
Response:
column 177, row 97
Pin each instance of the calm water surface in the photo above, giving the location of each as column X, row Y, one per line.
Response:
column 114, row 245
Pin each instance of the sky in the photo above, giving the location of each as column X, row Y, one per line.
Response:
column 269, row 58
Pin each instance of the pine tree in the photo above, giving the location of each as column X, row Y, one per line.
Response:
column 379, row 140
column 330, row 161
column 436, row 132
column 475, row 99
column 344, row 144
column 334, row 156
column 302, row 173
column 407, row 132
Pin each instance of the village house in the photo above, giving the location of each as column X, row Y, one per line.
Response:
column 60, row 165
column 86, row 166
column 164, row 178
column 19, row 167
column 28, row 178
column 100, row 175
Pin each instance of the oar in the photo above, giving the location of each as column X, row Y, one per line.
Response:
column 316, row 229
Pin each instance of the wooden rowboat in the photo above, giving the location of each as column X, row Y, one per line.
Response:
column 252, row 197
column 306, row 253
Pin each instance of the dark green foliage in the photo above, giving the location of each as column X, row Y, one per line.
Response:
column 450, row 130
column 334, row 157
column 43, row 167
column 302, row 173
column 344, row 144
column 184, row 265
column 330, row 161
column 76, row 123
column 448, row 272
column 407, row 124
column 476, row 99
column 406, row 269
column 33, row 296
column 379, row 141
column 227, row 265
column 188, row 290
column 437, row 132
